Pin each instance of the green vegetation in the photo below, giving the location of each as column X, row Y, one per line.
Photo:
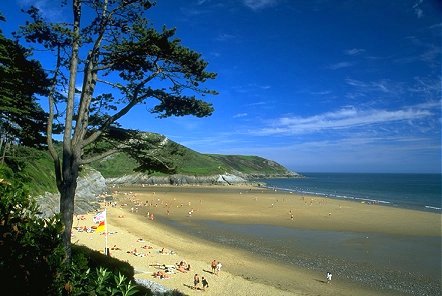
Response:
column 34, row 167
column 22, row 120
column 31, row 166
column 190, row 162
column 252, row 165
column 33, row 262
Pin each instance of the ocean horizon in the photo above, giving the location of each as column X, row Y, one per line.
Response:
column 419, row 191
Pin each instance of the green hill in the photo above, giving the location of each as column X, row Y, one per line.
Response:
column 190, row 162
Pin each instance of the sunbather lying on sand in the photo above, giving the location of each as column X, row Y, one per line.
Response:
column 161, row 275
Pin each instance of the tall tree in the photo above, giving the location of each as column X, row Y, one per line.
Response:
column 22, row 120
column 110, row 45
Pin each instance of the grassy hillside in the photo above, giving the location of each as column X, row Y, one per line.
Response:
column 251, row 164
column 32, row 167
column 190, row 162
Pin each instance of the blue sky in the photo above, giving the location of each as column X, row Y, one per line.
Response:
column 317, row 86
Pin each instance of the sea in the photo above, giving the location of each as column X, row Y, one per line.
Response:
column 414, row 191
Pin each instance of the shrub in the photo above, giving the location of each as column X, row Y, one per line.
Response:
column 32, row 255
column 31, row 247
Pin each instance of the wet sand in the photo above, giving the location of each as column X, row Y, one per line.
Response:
column 225, row 224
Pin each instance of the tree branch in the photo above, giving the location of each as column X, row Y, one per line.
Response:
column 135, row 99
column 99, row 156
column 50, row 142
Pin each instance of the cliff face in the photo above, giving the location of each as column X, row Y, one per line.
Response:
column 89, row 187
column 139, row 178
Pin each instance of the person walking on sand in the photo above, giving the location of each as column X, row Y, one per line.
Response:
column 196, row 281
column 218, row 267
column 213, row 265
column 204, row 282
column 329, row 277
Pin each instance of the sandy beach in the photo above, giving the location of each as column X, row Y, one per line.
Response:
column 243, row 272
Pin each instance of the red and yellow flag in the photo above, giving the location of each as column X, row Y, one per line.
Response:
column 101, row 227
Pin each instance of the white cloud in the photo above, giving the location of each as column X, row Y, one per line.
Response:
column 259, row 4
column 348, row 117
column 240, row 115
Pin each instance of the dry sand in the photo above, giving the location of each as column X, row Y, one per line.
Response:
column 242, row 272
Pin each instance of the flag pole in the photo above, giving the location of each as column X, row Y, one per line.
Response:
column 105, row 231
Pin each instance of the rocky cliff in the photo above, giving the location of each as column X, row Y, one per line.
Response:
column 89, row 188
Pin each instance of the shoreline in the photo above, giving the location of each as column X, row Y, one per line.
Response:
column 251, row 268
column 389, row 188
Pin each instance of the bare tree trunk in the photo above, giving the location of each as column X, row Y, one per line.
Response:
column 67, row 198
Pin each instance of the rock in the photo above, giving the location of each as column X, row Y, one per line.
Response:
column 89, row 187
column 226, row 179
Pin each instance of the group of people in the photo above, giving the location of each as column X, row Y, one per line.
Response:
column 183, row 266
column 196, row 281
column 216, row 267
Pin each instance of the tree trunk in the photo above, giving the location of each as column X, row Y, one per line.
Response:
column 67, row 199
column 67, row 196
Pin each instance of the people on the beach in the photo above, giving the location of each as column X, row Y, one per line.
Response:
column 213, row 265
column 161, row 275
column 204, row 282
column 183, row 266
column 329, row 277
column 218, row 268
column 196, row 281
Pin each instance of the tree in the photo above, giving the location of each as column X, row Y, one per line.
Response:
column 22, row 120
column 118, row 51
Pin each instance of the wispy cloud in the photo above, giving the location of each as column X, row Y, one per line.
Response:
column 46, row 7
column 347, row 117
column 225, row 37
column 354, row 51
column 261, row 103
column 259, row 4
column 383, row 86
column 320, row 93
column 240, row 115
column 340, row 65
column 417, row 10
column 251, row 88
